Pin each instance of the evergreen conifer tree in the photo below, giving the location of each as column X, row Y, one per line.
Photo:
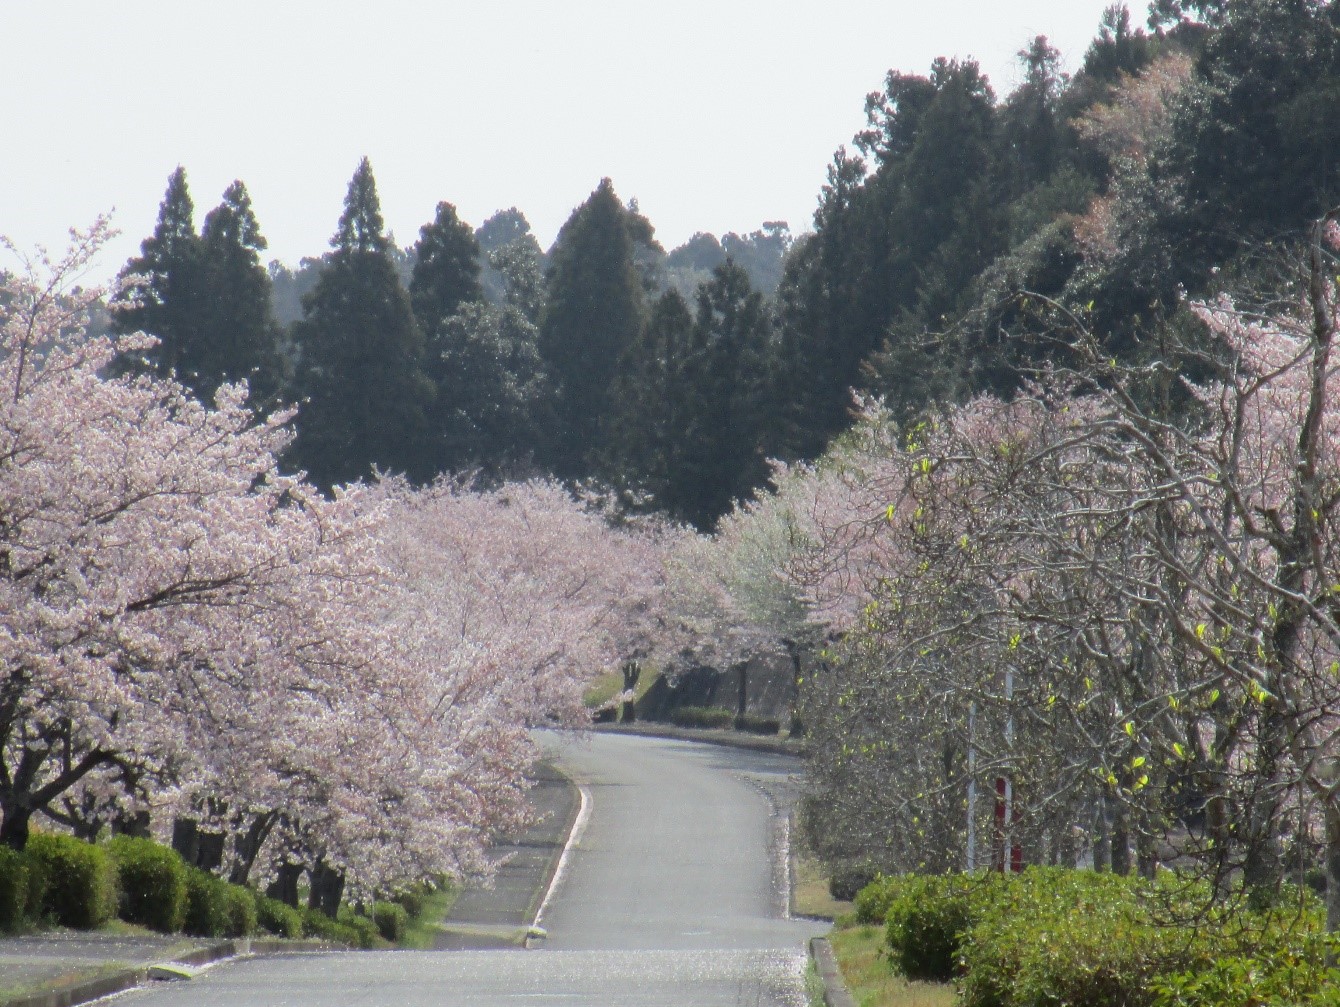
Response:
column 446, row 268
column 165, row 300
column 592, row 317
column 238, row 335
column 361, row 356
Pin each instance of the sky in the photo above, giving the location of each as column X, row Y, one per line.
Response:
column 715, row 115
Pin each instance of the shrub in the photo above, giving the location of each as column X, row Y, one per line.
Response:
column 152, row 879
column 391, row 920
column 317, row 924
column 208, row 911
column 1082, row 938
column 13, row 889
column 757, row 725
column 873, row 901
column 925, row 918
column 847, row 877
column 363, row 927
column 80, row 881
column 411, row 899
column 278, row 918
column 239, row 904
column 701, row 716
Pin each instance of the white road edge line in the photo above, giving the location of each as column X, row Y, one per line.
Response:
column 574, row 837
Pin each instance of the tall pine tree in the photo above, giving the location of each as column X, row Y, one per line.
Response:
column 164, row 298
column 238, row 335
column 592, row 317
column 360, row 356
column 446, row 268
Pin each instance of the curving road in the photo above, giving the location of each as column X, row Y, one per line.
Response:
column 672, row 895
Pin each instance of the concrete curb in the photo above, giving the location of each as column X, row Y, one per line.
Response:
column 835, row 991
column 572, row 830
column 728, row 738
column 119, row 982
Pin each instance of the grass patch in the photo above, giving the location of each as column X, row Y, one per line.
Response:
column 606, row 687
column 811, row 890
column 865, row 969
column 424, row 928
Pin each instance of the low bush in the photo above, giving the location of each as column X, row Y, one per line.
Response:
column 79, row 887
column 873, row 901
column 1098, row 940
column 701, row 716
column 278, row 918
column 152, row 879
column 240, row 909
column 925, row 919
column 363, row 926
column 207, row 904
column 317, row 924
column 847, row 877
column 757, row 725
column 13, row 889
column 411, row 899
column 391, row 920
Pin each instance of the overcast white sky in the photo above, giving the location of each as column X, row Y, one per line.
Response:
column 715, row 114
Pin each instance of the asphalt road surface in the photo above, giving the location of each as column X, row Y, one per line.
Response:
column 672, row 895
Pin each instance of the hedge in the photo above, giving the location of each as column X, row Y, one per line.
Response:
column 13, row 889
column 701, row 716
column 391, row 921
column 152, row 879
column 757, row 725
column 79, row 888
column 278, row 918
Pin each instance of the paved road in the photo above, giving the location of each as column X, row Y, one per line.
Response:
column 670, row 897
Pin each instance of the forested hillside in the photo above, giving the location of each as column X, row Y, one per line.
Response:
column 1156, row 171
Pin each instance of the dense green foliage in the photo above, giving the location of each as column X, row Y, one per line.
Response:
column 1118, row 190
column 152, row 882
column 360, row 369
column 214, row 908
column 701, row 716
column 1090, row 939
column 13, row 889
column 206, row 296
column 391, row 920
column 79, row 880
column 277, row 918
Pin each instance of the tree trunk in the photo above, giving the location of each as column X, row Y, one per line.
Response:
column 14, row 827
column 186, row 839
column 1102, row 838
column 1332, row 872
column 285, row 885
column 327, row 889
column 248, row 846
column 632, row 671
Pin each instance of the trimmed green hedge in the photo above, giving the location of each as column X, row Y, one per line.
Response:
column 391, row 920
column 278, row 918
column 152, row 879
column 1051, row 936
column 925, row 919
column 79, row 889
column 13, row 889
column 701, row 716
column 757, row 725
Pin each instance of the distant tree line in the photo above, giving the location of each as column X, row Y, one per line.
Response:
column 675, row 377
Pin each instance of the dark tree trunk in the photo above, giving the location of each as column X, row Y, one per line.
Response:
column 285, row 885
column 209, row 850
column 186, row 839
column 327, row 889
column 248, row 845
column 14, row 827
column 632, row 671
